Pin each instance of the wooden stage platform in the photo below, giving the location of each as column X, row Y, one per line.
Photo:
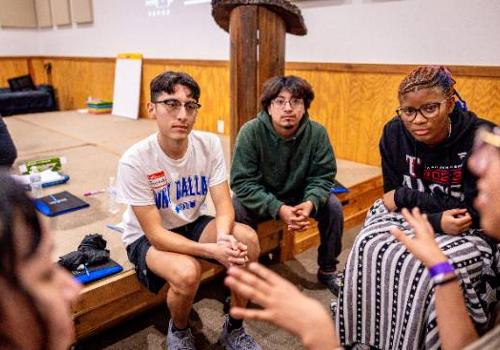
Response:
column 92, row 145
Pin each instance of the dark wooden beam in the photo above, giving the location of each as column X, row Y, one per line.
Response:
column 243, row 67
column 272, row 33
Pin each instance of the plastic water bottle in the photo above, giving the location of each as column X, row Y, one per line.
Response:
column 113, row 206
column 36, row 183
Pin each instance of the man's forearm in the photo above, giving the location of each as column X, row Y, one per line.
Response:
column 257, row 199
column 224, row 216
column 169, row 241
column 224, row 224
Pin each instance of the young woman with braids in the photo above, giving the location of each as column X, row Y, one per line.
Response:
column 387, row 301
column 35, row 294
column 456, row 329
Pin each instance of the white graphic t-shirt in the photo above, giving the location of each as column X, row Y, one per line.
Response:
column 178, row 187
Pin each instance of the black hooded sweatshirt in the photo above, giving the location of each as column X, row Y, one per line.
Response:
column 436, row 178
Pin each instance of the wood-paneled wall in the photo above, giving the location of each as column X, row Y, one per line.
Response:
column 75, row 79
column 11, row 67
column 353, row 101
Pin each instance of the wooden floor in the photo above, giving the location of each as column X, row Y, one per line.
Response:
column 92, row 146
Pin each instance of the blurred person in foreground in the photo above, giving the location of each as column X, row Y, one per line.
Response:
column 35, row 293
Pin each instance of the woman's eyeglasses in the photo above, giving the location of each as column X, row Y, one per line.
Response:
column 428, row 111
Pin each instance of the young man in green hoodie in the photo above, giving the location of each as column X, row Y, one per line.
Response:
column 284, row 167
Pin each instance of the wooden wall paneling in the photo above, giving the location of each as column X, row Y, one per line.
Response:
column 352, row 101
column 214, row 86
column 76, row 79
column 11, row 67
column 353, row 107
column 355, row 101
column 37, row 71
column 101, row 79
column 402, row 69
column 66, row 83
column 17, row 14
column 372, row 102
column 482, row 96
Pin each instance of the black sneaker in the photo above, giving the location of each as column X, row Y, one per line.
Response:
column 331, row 280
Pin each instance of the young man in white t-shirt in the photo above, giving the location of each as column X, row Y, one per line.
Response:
column 164, row 180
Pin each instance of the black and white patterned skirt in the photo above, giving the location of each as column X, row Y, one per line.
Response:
column 387, row 301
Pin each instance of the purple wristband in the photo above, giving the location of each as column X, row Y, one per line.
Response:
column 441, row 269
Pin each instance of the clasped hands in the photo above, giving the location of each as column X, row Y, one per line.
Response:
column 230, row 251
column 297, row 217
column 453, row 221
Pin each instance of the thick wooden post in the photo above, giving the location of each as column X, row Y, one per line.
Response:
column 243, row 67
column 272, row 33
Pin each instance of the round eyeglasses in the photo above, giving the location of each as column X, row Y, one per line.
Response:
column 428, row 111
column 174, row 106
column 281, row 102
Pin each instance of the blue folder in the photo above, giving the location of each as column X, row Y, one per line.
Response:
column 59, row 203
column 98, row 272
column 338, row 188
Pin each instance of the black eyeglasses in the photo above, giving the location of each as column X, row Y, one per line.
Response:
column 174, row 106
column 428, row 111
column 294, row 102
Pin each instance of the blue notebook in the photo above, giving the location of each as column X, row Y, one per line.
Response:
column 94, row 273
column 59, row 203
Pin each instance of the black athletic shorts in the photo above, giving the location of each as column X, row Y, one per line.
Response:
column 137, row 250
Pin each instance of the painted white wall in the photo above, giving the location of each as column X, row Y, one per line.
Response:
column 17, row 42
column 462, row 32
column 124, row 26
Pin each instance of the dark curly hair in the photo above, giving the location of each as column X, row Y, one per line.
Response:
column 298, row 87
